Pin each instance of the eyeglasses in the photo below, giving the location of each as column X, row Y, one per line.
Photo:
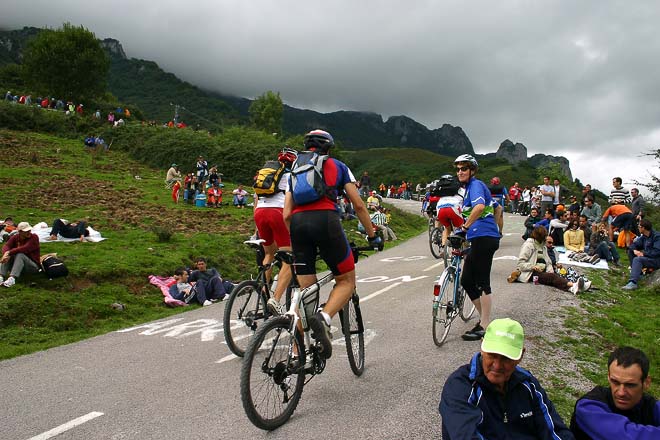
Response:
column 549, row 241
column 465, row 168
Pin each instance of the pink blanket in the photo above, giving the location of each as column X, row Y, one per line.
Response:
column 164, row 284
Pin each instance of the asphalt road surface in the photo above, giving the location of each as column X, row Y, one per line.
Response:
column 176, row 378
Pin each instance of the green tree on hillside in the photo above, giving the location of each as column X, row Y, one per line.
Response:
column 266, row 112
column 653, row 185
column 67, row 63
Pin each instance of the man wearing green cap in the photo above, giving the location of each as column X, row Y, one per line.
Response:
column 493, row 398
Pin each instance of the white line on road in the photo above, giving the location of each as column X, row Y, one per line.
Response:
column 441, row 263
column 226, row 358
column 368, row 297
column 68, row 425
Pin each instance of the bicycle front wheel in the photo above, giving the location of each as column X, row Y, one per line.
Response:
column 353, row 329
column 444, row 315
column 244, row 312
column 435, row 243
column 271, row 381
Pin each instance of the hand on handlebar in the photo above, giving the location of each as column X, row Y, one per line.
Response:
column 375, row 242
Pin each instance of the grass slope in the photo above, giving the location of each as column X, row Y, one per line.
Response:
column 44, row 177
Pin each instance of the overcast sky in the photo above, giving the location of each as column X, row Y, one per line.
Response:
column 572, row 78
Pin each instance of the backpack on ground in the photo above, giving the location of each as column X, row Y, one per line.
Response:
column 445, row 187
column 268, row 178
column 307, row 184
column 54, row 267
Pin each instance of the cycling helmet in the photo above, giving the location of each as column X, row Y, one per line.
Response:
column 318, row 139
column 287, row 155
column 495, row 181
column 467, row 158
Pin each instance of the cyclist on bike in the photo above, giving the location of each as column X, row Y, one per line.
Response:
column 484, row 235
column 316, row 229
column 449, row 206
column 270, row 225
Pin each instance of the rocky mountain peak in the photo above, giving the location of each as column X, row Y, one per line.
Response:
column 114, row 47
column 512, row 153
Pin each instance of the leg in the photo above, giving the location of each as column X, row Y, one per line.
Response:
column 58, row 226
column 344, row 287
column 23, row 263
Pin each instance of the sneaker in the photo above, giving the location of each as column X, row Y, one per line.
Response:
column 475, row 334
column 630, row 286
column 587, row 286
column 9, row 282
column 207, row 303
column 594, row 260
column 514, row 276
column 321, row 332
column 274, row 307
column 574, row 289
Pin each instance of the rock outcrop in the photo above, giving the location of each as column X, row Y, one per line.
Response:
column 516, row 153
column 114, row 47
column 512, row 153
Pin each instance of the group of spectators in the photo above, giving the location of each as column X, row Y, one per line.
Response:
column 404, row 190
column 203, row 284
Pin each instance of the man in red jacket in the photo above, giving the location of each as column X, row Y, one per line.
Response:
column 20, row 253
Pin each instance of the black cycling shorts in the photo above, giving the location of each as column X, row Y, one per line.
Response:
column 320, row 233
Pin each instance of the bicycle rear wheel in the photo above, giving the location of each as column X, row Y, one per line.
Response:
column 466, row 308
column 353, row 329
column 271, row 382
column 435, row 243
column 244, row 312
column 444, row 315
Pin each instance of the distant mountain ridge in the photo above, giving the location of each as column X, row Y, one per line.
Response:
column 154, row 91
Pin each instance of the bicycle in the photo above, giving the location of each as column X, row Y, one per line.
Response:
column 438, row 250
column 283, row 352
column 449, row 298
column 246, row 307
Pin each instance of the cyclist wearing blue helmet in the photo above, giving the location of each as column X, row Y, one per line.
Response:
column 479, row 212
column 316, row 230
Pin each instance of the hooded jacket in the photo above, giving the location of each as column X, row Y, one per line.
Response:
column 472, row 408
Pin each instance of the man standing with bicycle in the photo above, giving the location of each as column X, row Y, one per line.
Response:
column 484, row 236
column 316, row 230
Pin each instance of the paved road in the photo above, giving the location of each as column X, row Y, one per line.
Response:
column 175, row 378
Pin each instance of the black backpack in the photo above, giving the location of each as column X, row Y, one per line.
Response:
column 445, row 186
column 54, row 267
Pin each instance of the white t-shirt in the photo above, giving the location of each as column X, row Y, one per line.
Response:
column 275, row 200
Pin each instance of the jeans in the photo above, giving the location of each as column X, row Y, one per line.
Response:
column 606, row 250
column 68, row 231
column 17, row 264
column 638, row 263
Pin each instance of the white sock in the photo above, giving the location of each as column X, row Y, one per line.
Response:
column 328, row 319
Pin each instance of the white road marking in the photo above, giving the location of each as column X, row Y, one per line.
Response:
column 506, row 257
column 441, row 263
column 66, row 426
column 378, row 292
column 226, row 358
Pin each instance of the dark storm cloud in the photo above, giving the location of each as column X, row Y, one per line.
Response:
column 562, row 77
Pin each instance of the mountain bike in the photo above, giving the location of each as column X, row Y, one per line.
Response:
column 282, row 353
column 449, row 298
column 246, row 310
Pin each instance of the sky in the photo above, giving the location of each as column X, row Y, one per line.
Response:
column 572, row 78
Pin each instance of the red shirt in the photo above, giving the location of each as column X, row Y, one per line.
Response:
column 29, row 247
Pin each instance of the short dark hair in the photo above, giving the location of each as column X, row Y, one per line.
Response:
column 179, row 271
column 627, row 356
column 646, row 224
column 588, row 199
column 200, row 259
column 617, row 179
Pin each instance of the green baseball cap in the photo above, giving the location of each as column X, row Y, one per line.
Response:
column 505, row 337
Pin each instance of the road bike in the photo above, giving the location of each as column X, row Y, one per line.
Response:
column 449, row 297
column 438, row 250
column 282, row 353
column 246, row 309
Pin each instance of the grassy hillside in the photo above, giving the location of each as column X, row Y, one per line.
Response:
column 44, row 177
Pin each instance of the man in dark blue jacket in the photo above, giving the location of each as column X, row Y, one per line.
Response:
column 643, row 252
column 493, row 398
column 624, row 410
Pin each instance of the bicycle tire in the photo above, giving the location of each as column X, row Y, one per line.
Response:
column 245, row 309
column 353, row 328
column 435, row 243
column 270, row 389
column 467, row 307
column 441, row 319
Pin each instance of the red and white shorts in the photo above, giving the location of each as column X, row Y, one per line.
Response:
column 450, row 215
column 271, row 227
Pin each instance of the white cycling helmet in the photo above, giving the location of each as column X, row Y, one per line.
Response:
column 467, row 158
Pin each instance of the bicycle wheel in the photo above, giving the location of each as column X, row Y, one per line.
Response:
column 435, row 243
column 444, row 315
column 353, row 329
column 244, row 312
column 466, row 308
column 271, row 382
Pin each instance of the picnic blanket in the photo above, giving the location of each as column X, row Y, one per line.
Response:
column 43, row 231
column 164, row 284
column 563, row 259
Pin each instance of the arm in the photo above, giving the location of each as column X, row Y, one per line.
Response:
column 30, row 246
column 460, row 419
column 554, row 423
column 600, row 423
column 288, row 209
column 358, row 205
column 525, row 258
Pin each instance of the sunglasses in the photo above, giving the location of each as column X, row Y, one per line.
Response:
column 462, row 169
column 549, row 241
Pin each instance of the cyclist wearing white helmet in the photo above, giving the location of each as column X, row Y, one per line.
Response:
column 484, row 236
column 316, row 230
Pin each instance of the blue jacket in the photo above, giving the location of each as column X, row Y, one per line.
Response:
column 471, row 408
column 649, row 245
column 596, row 417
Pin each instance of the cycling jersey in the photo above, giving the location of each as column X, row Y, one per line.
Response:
column 476, row 193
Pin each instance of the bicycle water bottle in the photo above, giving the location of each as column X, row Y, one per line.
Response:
column 273, row 285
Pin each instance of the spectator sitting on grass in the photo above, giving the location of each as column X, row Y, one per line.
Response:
column 643, row 252
column 206, row 293
column 240, row 197
column 21, row 253
column 69, row 230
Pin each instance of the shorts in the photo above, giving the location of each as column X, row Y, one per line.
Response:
column 449, row 215
column 271, row 226
column 320, row 233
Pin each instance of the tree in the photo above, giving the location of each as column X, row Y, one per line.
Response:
column 67, row 63
column 266, row 112
column 653, row 185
